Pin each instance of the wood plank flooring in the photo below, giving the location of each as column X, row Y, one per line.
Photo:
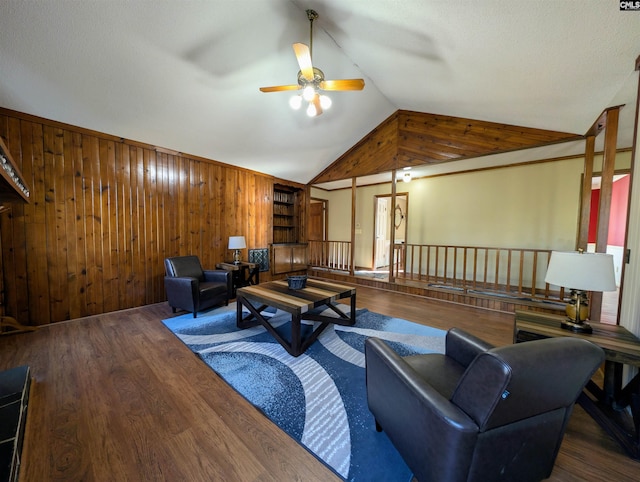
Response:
column 118, row 397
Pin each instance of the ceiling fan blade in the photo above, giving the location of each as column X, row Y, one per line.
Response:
column 316, row 103
column 343, row 84
column 279, row 88
column 304, row 60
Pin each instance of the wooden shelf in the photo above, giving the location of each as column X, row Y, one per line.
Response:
column 288, row 253
column 283, row 195
column 285, row 214
column 13, row 187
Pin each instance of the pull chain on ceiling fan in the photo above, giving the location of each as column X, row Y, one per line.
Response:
column 311, row 79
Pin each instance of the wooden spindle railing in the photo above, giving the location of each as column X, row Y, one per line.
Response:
column 476, row 268
column 516, row 272
column 330, row 255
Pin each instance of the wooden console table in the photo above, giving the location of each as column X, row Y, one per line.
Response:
column 607, row 404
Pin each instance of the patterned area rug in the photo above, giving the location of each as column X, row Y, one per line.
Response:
column 318, row 398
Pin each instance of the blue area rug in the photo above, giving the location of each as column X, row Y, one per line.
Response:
column 318, row 398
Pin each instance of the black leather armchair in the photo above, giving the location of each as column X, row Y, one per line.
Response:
column 193, row 289
column 479, row 413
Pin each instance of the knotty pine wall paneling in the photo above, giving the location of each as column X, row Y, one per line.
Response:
column 105, row 212
column 408, row 138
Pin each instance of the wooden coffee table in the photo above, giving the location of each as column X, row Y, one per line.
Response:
column 297, row 302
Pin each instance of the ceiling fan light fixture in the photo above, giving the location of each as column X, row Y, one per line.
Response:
column 295, row 102
column 308, row 93
column 311, row 110
column 311, row 79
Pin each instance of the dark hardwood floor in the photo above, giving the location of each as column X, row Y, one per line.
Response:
column 118, row 397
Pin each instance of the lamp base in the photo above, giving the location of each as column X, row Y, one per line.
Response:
column 237, row 257
column 571, row 325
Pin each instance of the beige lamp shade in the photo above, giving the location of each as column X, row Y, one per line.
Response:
column 237, row 242
column 581, row 271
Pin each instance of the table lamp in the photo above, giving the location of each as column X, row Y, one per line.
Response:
column 237, row 243
column 580, row 272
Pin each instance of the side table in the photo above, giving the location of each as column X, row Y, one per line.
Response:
column 242, row 274
column 607, row 404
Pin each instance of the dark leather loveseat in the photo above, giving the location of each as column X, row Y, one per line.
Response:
column 193, row 289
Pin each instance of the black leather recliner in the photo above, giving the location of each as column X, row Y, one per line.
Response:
column 479, row 413
column 193, row 289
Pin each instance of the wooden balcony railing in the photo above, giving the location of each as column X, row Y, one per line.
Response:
column 517, row 272
column 330, row 255
column 513, row 271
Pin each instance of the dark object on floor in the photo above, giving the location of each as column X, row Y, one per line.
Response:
column 479, row 413
column 193, row 289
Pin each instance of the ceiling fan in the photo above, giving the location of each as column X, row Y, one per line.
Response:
column 311, row 79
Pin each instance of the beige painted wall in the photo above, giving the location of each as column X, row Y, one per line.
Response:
column 534, row 206
column 339, row 206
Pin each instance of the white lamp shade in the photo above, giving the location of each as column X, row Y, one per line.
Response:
column 581, row 271
column 308, row 93
column 325, row 102
column 237, row 242
column 295, row 102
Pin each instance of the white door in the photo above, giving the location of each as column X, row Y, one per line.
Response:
column 382, row 228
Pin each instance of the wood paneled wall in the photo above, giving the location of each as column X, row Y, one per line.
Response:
column 375, row 153
column 104, row 214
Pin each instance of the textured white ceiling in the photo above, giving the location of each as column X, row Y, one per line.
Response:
column 185, row 74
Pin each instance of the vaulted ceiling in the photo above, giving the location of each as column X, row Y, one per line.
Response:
column 184, row 75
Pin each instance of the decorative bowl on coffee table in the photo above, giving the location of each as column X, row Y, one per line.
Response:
column 297, row 282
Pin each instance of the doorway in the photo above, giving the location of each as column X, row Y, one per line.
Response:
column 384, row 213
column 318, row 219
column 615, row 237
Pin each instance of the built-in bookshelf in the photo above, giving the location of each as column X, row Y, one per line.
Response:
column 285, row 214
column 288, row 250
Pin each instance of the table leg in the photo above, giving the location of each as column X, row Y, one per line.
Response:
column 635, row 410
column 235, row 281
column 252, row 319
column 296, row 341
column 353, row 309
column 612, row 382
column 630, row 396
column 294, row 347
column 254, row 276
column 608, row 407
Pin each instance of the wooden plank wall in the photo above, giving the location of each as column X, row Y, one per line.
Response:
column 408, row 138
column 104, row 214
column 373, row 154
